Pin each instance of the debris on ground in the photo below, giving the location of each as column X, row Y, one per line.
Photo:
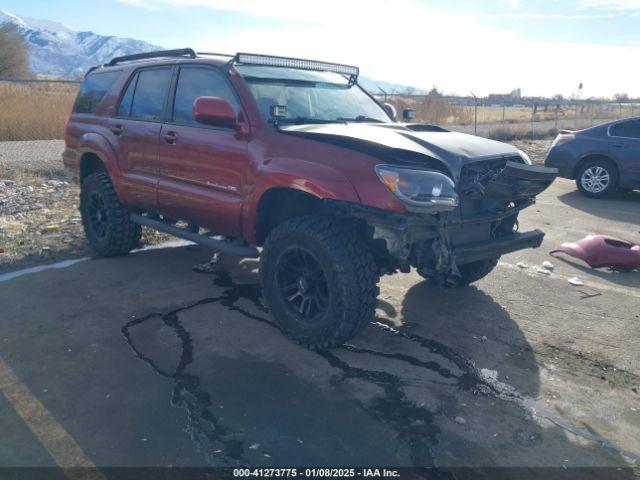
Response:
column 576, row 281
column 543, row 271
column 548, row 265
column 522, row 265
column 460, row 421
column 600, row 251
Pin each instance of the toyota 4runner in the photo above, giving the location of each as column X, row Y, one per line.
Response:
column 292, row 156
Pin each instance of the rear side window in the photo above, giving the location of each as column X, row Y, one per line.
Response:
column 630, row 129
column 93, row 90
column 195, row 82
column 149, row 93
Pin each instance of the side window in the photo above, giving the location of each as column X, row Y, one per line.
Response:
column 93, row 90
column 195, row 82
column 150, row 93
column 124, row 110
column 630, row 129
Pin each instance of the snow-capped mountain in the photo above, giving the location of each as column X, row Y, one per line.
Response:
column 60, row 51
column 57, row 50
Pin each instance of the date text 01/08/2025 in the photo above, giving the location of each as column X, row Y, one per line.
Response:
column 315, row 472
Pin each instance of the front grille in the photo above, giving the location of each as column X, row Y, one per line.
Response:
column 475, row 176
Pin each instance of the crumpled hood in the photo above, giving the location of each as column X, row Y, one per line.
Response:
column 407, row 141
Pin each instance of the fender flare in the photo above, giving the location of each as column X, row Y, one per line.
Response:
column 315, row 179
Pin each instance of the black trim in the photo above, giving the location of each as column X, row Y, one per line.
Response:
column 159, row 54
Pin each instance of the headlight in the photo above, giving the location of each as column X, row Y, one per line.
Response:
column 419, row 188
column 525, row 157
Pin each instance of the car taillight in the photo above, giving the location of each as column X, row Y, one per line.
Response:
column 563, row 137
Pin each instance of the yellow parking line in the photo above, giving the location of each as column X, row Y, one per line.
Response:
column 64, row 449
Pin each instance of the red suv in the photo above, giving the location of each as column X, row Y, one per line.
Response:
column 294, row 157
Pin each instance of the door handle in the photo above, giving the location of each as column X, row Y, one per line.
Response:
column 117, row 130
column 170, row 137
column 619, row 145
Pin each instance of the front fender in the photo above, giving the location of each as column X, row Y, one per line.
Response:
column 313, row 178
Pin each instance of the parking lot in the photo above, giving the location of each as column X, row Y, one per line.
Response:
column 142, row 361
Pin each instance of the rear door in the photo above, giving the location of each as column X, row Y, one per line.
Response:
column 625, row 148
column 136, row 130
column 202, row 167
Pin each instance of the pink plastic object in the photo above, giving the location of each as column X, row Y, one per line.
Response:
column 602, row 251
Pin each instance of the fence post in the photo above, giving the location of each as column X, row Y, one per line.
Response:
column 533, row 115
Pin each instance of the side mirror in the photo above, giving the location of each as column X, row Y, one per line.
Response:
column 390, row 109
column 408, row 114
column 214, row 111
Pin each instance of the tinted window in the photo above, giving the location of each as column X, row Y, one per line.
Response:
column 124, row 110
column 93, row 89
column 150, row 93
column 199, row 82
column 630, row 129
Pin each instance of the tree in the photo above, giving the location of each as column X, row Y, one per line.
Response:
column 621, row 98
column 14, row 53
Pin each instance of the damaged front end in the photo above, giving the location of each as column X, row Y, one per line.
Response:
column 437, row 235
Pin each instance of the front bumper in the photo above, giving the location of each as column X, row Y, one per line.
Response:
column 473, row 252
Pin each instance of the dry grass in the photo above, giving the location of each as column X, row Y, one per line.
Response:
column 34, row 111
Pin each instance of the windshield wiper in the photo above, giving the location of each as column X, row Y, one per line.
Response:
column 359, row 118
column 301, row 120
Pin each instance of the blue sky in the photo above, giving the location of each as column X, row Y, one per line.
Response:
column 544, row 46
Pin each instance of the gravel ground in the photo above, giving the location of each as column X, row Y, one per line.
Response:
column 39, row 218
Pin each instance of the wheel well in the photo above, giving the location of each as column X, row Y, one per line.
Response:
column 590, row 158
column 280, row 204
column 90, row 163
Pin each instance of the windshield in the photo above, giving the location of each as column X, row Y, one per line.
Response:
column 309, row 97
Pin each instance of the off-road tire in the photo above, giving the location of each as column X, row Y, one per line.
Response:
column 474, row 271
column 350, row 272
column 471, row 272
column 121, row 235
column 594, row 164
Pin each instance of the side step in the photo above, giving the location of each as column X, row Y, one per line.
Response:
column 218, row 245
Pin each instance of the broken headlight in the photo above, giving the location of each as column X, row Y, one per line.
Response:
column 424, row 189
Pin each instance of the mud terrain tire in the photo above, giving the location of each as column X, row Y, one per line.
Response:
column 319, row 280
column 474, row 271
column 106, row 221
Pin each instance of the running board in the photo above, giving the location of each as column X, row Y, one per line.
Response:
column 219, row 245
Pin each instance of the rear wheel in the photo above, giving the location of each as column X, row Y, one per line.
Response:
column 106, row 221
column 319, row 280
column 597, row 178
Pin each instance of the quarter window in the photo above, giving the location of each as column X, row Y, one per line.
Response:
column 150, row 94
column 124, row 110
column 194, row 82
column 93, row 90
column 630, row 129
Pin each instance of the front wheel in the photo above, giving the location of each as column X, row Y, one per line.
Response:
column 471, row 272
column 319, row 280
column 597, row 179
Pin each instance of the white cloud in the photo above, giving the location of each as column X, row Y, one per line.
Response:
column 410, row 43
column 617, row 5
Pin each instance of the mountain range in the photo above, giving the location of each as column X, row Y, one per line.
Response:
column 56, row 50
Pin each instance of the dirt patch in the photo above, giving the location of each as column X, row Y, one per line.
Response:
column 39, row 218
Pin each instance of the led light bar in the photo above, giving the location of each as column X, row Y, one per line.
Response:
column 274, row 61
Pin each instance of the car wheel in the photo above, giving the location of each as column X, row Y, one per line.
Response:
column 106, row 221
column 319, row 279
column 469, row 272
column 597, row 178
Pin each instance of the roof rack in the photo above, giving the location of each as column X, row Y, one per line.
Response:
column 182, row 52
column 215, row 54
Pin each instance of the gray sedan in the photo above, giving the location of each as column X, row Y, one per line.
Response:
column 601, row 159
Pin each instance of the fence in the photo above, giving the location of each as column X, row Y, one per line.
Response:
column 506, row 118
column 38, row 109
